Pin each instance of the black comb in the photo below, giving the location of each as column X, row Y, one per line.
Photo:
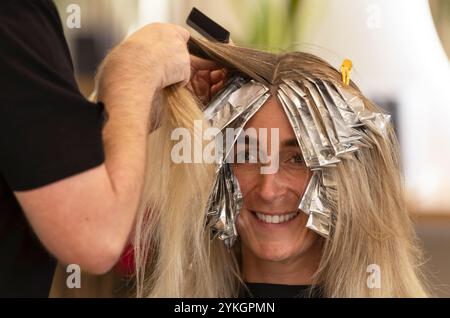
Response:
column 207, row 27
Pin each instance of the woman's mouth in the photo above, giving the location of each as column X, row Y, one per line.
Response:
column 275, row 218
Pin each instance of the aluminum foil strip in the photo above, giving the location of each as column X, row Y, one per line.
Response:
column 233, row 101
column 331, row 132
column 316, row 117
column 224, row 205
column 216, row 107
column 301, row 134
column 345, row 133
column 325, row 155
column 355, row 103
column 319, row 223
column 311, row 189
column 239, row 123
column 379, row 124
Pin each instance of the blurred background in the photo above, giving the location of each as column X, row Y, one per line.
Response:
column 400, row 51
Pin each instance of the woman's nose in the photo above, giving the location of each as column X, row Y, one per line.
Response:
column 271, row 187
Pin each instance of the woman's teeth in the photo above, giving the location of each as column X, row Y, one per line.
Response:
column 276, row 219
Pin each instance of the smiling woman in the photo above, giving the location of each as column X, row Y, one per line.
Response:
column 332, row 209
column 271, row 227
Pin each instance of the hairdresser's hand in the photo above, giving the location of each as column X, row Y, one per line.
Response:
column 152, row 58
column 207, row 78
column 160, row 49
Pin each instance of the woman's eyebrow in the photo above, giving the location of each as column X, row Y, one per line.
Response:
column 290, row 143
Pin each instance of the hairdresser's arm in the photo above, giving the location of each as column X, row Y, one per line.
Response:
column 86, row 219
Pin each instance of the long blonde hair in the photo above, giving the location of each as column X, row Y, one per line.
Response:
column 174, row 254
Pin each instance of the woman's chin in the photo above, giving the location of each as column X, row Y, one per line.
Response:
column 274, row 252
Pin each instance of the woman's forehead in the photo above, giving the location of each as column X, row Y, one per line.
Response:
column 272, row 116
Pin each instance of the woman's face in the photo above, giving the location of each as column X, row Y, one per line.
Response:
column 270, row 225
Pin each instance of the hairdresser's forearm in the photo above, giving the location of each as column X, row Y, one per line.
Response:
column 125, row 145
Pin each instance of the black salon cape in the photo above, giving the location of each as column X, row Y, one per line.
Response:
column 261, row 290
column 48, row 132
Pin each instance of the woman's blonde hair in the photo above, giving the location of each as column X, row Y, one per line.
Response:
column 370, row 225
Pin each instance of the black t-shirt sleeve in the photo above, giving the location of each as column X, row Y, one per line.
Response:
column 48, row 130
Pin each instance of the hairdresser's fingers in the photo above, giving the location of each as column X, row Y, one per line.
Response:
column 198, row 64
column 187, row 76
column 217, row 80
column 201, row 85
column 202, row 78
column 176, row 69
column 217, row 76
column 186, row 68
column 216, row 88
column 176, row 60
column 202, row 94
column 165, row 51
column 184, row 33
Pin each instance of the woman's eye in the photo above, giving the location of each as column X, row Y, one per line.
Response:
column 296, row 159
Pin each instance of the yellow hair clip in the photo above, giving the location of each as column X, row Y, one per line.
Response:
column 345, row 70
